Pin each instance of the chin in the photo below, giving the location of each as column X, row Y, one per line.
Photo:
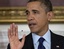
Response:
column 33, row 31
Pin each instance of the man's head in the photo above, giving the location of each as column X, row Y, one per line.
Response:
column 39, row 14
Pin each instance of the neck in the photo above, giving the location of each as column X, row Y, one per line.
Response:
column 41, row 33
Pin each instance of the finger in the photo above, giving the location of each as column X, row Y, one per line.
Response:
column 16, row 31
column 23, row 40
column 10, row 30
column 9, row 33
column 13, row 29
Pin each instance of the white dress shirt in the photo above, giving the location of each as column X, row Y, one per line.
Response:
column 46, row 43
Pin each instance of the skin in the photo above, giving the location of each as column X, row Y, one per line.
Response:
column 13, row 37
column 37, row 20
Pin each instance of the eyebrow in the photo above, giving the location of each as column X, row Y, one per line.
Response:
column 32, row 10
column 35, row 10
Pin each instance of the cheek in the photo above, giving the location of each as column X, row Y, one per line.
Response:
column 42, row 21
column 41, row 18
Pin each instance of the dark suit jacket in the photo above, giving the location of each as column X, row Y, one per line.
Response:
column 57, row 42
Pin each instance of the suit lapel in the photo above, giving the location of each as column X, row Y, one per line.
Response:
column 28, row 42
column 55, row 42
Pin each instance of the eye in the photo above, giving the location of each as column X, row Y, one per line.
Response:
column 27, row 12
column 35, row 11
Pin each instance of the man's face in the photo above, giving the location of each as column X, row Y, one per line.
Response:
column 36, row 17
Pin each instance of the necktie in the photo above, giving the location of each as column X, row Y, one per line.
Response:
column 40, row 46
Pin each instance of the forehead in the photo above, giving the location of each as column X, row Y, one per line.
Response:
column 35, row 5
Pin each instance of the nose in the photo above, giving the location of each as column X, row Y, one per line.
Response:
column 30, row 17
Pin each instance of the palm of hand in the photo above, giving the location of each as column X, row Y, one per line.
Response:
column 13, row 38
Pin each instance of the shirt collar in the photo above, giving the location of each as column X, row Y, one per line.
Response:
column 46, row 36
column 35, row 38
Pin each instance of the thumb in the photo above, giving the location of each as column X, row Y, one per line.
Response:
column 23, row 40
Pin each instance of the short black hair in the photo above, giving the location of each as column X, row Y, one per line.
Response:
column 47, row 4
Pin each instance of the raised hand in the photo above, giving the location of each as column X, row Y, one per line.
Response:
column 13, row 37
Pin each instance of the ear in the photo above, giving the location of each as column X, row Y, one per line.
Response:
column 50, row 15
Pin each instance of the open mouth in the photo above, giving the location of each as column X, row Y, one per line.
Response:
column 32, row 24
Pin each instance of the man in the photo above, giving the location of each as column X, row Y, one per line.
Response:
column 39, row 13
